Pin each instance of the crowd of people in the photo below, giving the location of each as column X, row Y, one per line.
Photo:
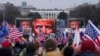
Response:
column 49, row 47
column 40, row 45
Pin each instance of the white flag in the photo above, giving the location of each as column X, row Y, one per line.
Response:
column 76, row 39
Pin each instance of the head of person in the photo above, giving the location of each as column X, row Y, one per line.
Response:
column 30, row 48
column 74, row 24
column 25, row 24
column 6, row 44
column 88, row 45
column 68, row 51
column 5, row 51
column 50, row 45
column 43, row 25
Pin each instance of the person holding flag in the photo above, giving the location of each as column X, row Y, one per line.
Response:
column 90, row 42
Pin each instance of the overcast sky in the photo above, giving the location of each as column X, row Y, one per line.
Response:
column 63, row 4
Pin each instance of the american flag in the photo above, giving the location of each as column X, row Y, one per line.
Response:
column 41, row 35
column 92, row 33
column 62, row 39
column 14, row 33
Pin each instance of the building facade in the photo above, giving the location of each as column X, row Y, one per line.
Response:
column 49, row 13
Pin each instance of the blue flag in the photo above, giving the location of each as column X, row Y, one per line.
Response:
column 4, row 28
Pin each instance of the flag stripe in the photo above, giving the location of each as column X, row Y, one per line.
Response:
column 14, row 33
column 92, row 33
column 97, row 41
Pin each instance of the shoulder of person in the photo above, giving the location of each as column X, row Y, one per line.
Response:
column 23, row 52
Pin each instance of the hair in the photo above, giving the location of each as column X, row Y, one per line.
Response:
column 30, row 48
column 50, row 45
column 60, row 46
column 51, row 21
column 20, row 21
column 5, row 51
column 68, row 51
column 87, row 45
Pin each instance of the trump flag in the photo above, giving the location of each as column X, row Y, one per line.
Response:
column 92, row 33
